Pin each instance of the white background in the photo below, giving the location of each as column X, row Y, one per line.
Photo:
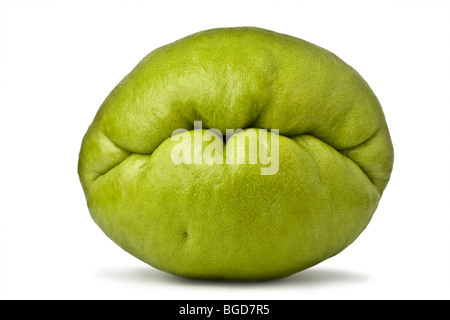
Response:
column 59, row 60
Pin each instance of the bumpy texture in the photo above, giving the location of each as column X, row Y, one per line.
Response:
column 228, row 221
